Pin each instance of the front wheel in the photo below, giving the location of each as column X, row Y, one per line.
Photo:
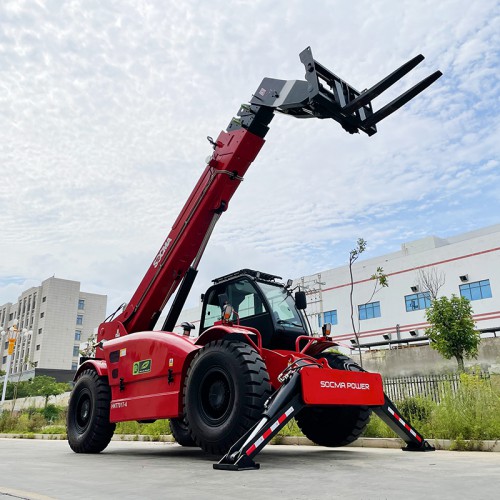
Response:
column 88, row 427
column 226, row 387
column 336, row 425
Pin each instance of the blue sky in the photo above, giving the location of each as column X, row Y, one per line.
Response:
column 105, row 107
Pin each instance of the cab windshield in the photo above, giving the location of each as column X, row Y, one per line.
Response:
column 282, row 305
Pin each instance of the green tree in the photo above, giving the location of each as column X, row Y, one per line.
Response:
column 452, row 331
column 46, row 386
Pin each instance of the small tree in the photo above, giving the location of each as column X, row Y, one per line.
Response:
column 379, row 278
column 452, row 331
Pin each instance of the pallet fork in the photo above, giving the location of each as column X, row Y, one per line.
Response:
column 288, row 401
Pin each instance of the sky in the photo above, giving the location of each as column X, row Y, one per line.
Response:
column 105, row 107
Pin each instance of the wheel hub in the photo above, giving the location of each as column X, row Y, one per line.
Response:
column 83, row 411
column 215, row 397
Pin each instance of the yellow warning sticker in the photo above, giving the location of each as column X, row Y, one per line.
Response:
column 171, row 362
column 123, row 352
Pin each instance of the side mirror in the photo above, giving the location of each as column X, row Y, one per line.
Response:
column 300, row 300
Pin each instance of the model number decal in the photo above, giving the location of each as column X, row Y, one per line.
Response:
column 344, row 385
column 161, row 253
column 143, row 366
column 120, row 404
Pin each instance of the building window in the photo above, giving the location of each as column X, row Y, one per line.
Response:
column 74, row 366
column 42, row 315
column 81, row 304
column 417, row 301
column 328, row 317
column 4, row 359
column 44, row 299
column 6, row 345
column 370, row 310
column 477, row 290
column 76, row 350
column 38, row 347
column 39, row 331
column 79, row 319
column 78, row 334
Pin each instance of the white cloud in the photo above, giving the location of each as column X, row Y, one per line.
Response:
column 105, row 108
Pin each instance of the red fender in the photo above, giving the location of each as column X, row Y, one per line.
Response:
column 99, row 365
column 250, row 335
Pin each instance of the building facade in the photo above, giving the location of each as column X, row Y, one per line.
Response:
column 52, row 320
column 467, row 264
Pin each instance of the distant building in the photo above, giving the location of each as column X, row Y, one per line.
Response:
column 467, row 265
column 59, row 316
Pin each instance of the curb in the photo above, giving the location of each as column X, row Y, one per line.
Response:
column 396, row 443
column 392, row 443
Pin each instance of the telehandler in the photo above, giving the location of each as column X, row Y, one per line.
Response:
column 255, row 364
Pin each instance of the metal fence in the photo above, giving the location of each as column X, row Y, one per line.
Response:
column 428, row 386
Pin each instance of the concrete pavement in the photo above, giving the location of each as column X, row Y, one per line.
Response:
column 36, row 469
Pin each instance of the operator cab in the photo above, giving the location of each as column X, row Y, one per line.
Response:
column 259, row 301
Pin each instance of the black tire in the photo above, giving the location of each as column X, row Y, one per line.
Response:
column 88, row 427
column 226, row 387
column 180, row 432
column 334, row 426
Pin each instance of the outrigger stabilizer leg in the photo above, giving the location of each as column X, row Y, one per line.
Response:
column 390, row 415
column 283, row 405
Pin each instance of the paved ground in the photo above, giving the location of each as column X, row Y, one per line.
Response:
column 35, row 469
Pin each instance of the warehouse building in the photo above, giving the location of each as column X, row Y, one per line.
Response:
column 51, row 321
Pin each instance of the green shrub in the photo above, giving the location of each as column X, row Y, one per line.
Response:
column 472, row 413
column 416, row 410
column 51, row 413
column 30, row 423
column 155, row 429
column 378, row 429
column 8, row 422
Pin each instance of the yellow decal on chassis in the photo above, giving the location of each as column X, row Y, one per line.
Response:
column 143, row 366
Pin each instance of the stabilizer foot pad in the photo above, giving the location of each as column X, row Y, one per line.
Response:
column 243, row 463
column 425, row 447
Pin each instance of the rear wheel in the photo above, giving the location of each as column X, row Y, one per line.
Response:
column 88, row 426
column 180, row 432
column 338, row 425
column 226, row 387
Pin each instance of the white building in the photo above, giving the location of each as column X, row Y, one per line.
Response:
column 56, row 317
column 467, row 264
